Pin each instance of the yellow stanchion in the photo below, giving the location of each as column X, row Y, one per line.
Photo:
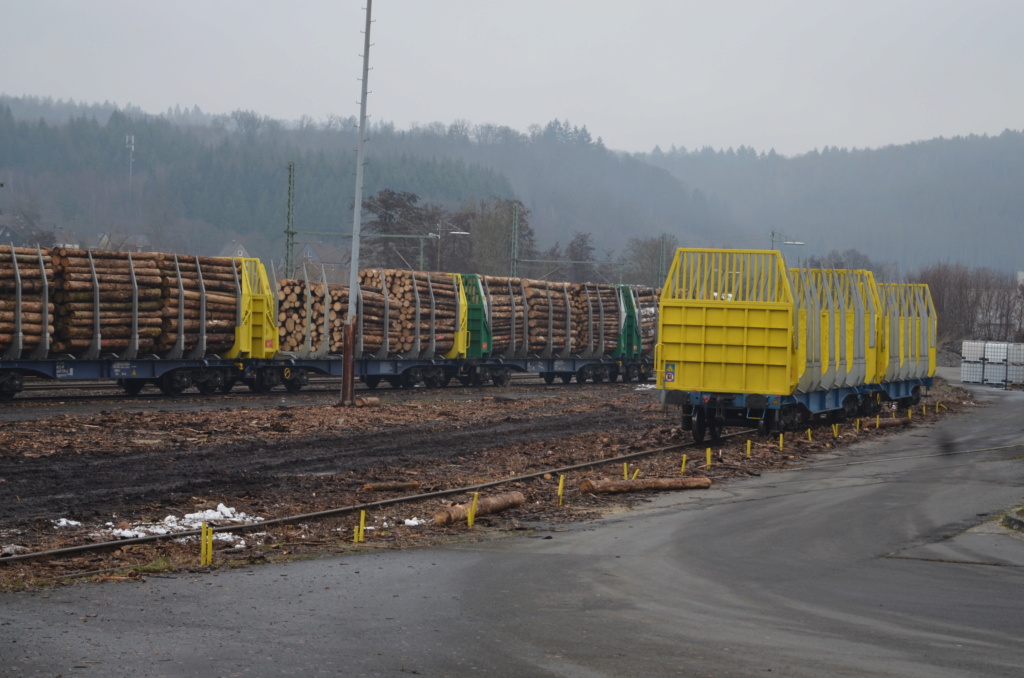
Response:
column 748, row 449
column 942, row 405
column 707, row 464
column 471, row 515
column 561, row 488
column 359, row 531
column 202, row 544
column 636, row 473
column 682, row 467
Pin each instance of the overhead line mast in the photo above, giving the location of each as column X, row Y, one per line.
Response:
column 348, row 383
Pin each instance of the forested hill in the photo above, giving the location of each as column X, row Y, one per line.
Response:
column 194, row 181
column 959, row 200
column 197, row 181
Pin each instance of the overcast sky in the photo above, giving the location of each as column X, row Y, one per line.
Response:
column 789, row 75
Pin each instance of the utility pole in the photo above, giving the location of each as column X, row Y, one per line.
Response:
column 348, row 377
column 514, row 264
column 129, row 143
column 289, row 229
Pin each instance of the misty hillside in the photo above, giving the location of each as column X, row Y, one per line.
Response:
column 957, row 200
column 197, row 181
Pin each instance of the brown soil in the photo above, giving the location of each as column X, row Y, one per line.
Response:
column 127, row 467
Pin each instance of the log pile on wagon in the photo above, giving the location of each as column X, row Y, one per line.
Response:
column 548, row 314
column 300, row 313
column 82, row 285
column 426, row 303
column 183, row 280
column 507, row 311
column 595, row 317
column 647, row 312
column 26, row 261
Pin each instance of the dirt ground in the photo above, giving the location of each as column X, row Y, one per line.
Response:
column 70, row 478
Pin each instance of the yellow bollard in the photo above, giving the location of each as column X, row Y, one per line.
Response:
column 707, row 464
column 924, row 410
column 202, row 543
column 625, row 470
column 682, row 468
column 471, row 515
column 857, row 425
column 910, row 413
column 748, row 449
column 878, row 420
column 561, row 488
column 808, row 435
column 781, row 437
column 835, row 430
column 636, row 473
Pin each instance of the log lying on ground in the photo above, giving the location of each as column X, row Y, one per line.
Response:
column 610, row 486
column 485, row 505
column 401, row 486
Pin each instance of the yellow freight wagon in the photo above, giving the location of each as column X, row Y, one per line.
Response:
column 745, row 341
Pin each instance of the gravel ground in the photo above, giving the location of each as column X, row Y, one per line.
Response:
column 122, row 469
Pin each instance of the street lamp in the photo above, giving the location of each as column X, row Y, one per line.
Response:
column 438, row 235
column 785, row 240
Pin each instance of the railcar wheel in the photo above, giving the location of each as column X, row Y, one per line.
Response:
column 229, row 383
column 915, row 395
column 566, row 377
column 293, row 385
column 371, row 381
column 171, row 384
column 548, row 377
column 206, row 387
column 583, row 374
column 597, row 374
column 762, row 429
column 447, row 378
column 433, row 378
column 501, row 377
column 700, row 427
column 262, row 383
column 643, row 374
column 465, row 379
column 132, row 387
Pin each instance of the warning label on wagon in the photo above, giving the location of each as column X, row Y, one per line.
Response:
column 670, row 372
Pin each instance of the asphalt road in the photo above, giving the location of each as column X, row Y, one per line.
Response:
column 884, row 562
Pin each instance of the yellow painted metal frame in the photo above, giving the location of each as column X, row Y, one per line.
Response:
column 726, row 323
column 460, row 346
column 256, row 333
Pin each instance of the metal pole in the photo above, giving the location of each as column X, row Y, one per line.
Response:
column 289, row 229
column 348, row 377
column 514, row 267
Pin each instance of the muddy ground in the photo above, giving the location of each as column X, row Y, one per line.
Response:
column 126, row 466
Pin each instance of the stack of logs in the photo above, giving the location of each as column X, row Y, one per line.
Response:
column 403, row 289
column 32, row 284
column 647, row 313
column 504, row 294
column 75, row 300
column 294, row 323
column 220, row 282
column 548, row 314
column 595, row 308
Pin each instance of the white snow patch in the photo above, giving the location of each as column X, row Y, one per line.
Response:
column 222, row 515
column 414, row 522
column 66, row 522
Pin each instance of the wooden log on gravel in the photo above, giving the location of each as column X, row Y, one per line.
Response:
column 399, row 486
column 610, row 486
column 484, row 506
